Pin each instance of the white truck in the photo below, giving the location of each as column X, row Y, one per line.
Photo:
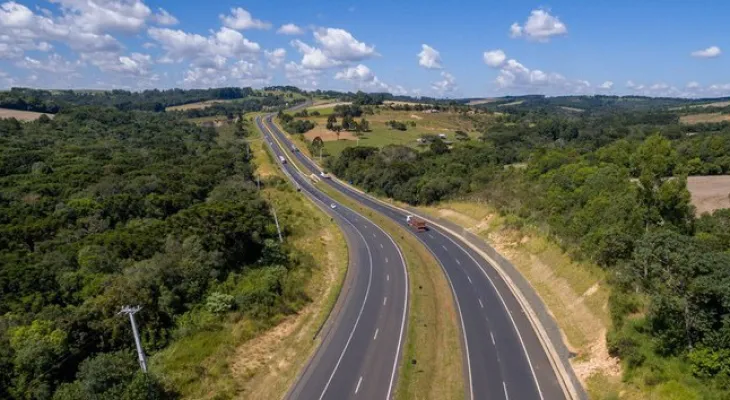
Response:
column 282, row 159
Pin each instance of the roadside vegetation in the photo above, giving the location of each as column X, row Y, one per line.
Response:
column 608, row 188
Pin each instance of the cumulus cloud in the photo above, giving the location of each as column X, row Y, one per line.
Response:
column 446, row 85
column 247, row 73
column 300, row 75
column 515, row 76
column 290, row 29
column 494, row 58
column 275, row 57
column 607, row 85
column 540, row 26
column 134, row 65
column 241, row 19
column 429, row 57
column 225, row 43
column 693, row 85
column 341, row 45
column 363, row 78
column 710, row 52
column 53, row 63
column 165, row 18
column 314, row 58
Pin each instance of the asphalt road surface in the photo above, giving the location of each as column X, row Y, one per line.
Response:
column 362, row 342
column 504, row 359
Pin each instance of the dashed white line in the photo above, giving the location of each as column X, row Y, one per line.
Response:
column 430, row 235
column 385, row 300
column 469, row 278
column 359, row 381
column 480, row 303
column 381, row 245
column 387, row 277
column 386, row 260
column 374, row 235
column 492, row 335
column 444, row 247
column 506, row 396
column 457, row 261
column 376, row 334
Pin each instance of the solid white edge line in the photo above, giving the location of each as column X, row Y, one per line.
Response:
column 506, row 396
column 405, row 308
column 359, row 381
column 504, row 304
column 492, row 335
column 480, row 303
column 375, row 337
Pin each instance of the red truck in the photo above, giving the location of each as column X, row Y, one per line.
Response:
column 417, row 223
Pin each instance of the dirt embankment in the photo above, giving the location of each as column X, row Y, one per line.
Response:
column 709, row 193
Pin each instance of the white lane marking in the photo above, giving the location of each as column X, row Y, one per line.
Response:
column 469, row 278
column 506, row 396
column 504, row 304
column 444, row 247
column 430, row 235
column 385, row 300
column 374, row 236
column 387, row 277
column 386, row 260
column 359, row 381
column 381, row 245
column 375, row 337
column 457, row 261
column 480, row 303
column 357, row 320
column 492, row 335
column 403, row 319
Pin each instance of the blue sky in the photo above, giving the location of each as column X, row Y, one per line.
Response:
column 435, row 48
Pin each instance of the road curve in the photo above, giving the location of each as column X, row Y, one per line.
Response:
column 362, row 341
column 504, row 358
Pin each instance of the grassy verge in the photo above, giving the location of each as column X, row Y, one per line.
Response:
column 431, row 367
column 241, row 358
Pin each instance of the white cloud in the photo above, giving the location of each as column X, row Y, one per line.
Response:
column 53, row 63
column 275, row 57
column 226, row 43
column 165, row 18
column 340, row 45
column 710, row 52
column 241, row 19
column 540, row 26
column 446, row 85
column 515, row 76
column 494, row 58
column 693, row 85
column 429, row 57
column 314, row 58
column 128, row 16
column 135, row 64
column 359, row 73
column 290, row 29
column 300, row 75
column 204, row 77
column 248, row 73
column 607, row 85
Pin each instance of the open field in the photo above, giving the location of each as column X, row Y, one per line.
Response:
column 195, row 106
column 514, row 103
column 328, row 105
column 709, row 193
column 707, row 105
column 481, row 101
column 573, row 109
column 381, row 135
column 21, row 115
column 705, row 117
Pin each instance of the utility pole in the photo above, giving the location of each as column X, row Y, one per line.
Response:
column 278, row 229
column 140, row 353
column 258, row 182
column 320, row 154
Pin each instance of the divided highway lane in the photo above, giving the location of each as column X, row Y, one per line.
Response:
column 362, row 342
column 504, row 357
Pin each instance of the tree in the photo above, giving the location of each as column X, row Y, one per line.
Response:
column 317, row 143
column 439, row 147
column 364, row 125
column 331, row 121
column 337, row 130
column 461, row 135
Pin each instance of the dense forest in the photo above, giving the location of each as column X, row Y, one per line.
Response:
column 48, row 101
column 610, row 187
column 101, row 208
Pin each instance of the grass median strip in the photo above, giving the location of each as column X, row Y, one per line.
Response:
column 431, row 367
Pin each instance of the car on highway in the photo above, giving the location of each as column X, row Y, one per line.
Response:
column 333, row 206
column 324, row 175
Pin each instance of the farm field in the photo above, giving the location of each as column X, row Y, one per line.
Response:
column 709, row 193
column 705, row 117
column 196, row 106
column 381, row 135
column 21, row 115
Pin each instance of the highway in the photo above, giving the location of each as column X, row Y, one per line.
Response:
column 504, row 358
column 362, row 341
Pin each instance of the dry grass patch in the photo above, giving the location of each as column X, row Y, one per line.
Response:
column 327, row 135
column 709, row 193
column 195, row 106
column 705, row 117
column 21, row 115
